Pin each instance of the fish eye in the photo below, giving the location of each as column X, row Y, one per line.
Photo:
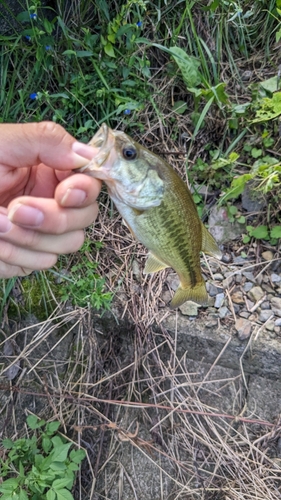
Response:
column 129, row 153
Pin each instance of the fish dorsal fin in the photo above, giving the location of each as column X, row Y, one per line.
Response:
column 153, row 264
column 209, row 245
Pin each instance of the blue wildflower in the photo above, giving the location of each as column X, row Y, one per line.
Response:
column 127, row 112
column 33, row 16
column 28, row 38
column 139, row 24
column 33, row 96
column 48, row 47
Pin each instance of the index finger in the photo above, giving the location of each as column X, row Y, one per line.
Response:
column 28, row 144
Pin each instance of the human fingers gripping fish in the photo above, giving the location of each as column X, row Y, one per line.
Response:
column 158, row 208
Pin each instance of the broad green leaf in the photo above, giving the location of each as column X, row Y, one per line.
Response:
column 9, row 484
column 23, row 495
column 53, row 426
column 237, row 187
column 180, row 107
column 23, row 17
column 188, row 66
column 77, row 456
column 7, row 443
column 58, row 484
column 260, row 232
column 46, row 444
column 57, row 441
column 241, row 219
column 64, row 494
column 271, row 84
column 269, row 108
column 50, row 495
column 232, row 210
column 69, row 53
column 84, row 53
column 109, row 50
column 256, row 153
column 58, row 466
column 32, row 421
column 275, row 232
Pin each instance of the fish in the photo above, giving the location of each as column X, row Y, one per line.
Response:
column 157, row 207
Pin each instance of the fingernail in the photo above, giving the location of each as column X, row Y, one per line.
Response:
column 5, row 224
column 83, row 152
column 73, row 198
column 23, row 215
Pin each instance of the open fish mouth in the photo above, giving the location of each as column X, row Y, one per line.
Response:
column 104, row 139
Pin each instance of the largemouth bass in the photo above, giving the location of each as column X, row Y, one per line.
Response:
column 158, row 208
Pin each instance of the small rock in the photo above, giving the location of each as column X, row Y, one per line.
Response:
column 276, row 306
column 268, row 289
column 239, row 260
column 277, row 322
column 227, row 282
column 228, row 274
column 270, row 326
column 250, row 304
column 166, row 297
column 236, row 308
column 213, row 315
column 259, row 279
column 253, row 317
column 265, row 305
column 211, row 323
column 219, row 277
column 268, row 255
column 189, row 309
column 212, row 289
column 256, row 293
column 214, row 265
column 248, row 286
column 265, row 315
column 223, row 312
column 265, row 279
column 237, row 297
column 219, row 300
column 243, row 327
column 221, row 227
column 247, row 75
column 244, row 314
column 173, row 281
column 275, row 278
column 249, row 276
column 251, row 201
column 277, row 330
column 238, row 279
column 226, row 258
column 136, row 270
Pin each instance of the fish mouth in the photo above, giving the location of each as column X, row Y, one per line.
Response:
column 104, row 140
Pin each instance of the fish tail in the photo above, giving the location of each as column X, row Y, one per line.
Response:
column 197, row 294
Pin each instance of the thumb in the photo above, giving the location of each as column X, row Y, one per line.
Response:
column 28, row 144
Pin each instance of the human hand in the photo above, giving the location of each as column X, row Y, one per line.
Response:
column 43, row 208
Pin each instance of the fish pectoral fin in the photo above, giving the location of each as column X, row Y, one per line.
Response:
column 197, row 294
column 209, row 244
column 138, row 211
column 153, row 264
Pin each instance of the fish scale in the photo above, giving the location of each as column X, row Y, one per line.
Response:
column 157, row 207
